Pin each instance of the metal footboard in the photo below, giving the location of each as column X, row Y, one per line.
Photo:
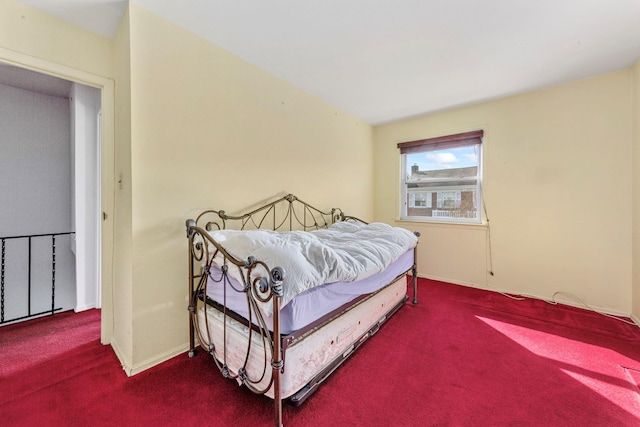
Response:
column 260, row 283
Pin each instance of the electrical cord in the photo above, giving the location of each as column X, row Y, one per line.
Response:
column 552, row 301
column 522, row 297
column 514, row 297
column 489, row 255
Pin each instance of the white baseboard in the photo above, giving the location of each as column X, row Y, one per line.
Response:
column 119, row 355
column 454, row 282
column 149, row 363
column 564, row 301
column 80, row 308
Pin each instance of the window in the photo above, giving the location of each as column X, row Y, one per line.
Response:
column 441, row 178
column 420, row 199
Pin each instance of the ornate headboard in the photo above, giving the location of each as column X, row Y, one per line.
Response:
column 287, row 213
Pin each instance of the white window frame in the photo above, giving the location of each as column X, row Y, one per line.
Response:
column 463, row 184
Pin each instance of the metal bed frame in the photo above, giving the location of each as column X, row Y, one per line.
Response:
column 262, row 283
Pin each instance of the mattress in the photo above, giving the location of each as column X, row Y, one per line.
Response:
column 307, row 359
column 311, row 304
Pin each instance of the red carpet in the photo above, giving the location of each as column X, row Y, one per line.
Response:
column 462, row 357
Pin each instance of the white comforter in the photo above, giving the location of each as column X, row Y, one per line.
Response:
column 346, row 251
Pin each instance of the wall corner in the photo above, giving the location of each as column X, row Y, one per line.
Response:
column 635, row 196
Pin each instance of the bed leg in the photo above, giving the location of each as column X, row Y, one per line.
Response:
column 277, row 397
column 277, row 363
column 192, row 333
column 414, row 270
column 192, row 309
column 278, row 409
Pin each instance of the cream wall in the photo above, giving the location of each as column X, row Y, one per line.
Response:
column 122, row 295
column 636, row 193
column 209, row 130
column 31, row 32
column 557, row 180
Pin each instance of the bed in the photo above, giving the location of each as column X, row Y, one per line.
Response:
column 282, row 295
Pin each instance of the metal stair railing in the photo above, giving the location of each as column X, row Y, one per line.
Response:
column 3, row 268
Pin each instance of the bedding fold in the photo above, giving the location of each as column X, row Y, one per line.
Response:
column 344, row 252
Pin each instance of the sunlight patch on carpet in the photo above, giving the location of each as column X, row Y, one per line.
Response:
column 616, row 390
column 590, row 365
column 634, row 377
column 538, row 342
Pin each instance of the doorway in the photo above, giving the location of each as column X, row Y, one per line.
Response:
column 91, row 97
column 49, row 218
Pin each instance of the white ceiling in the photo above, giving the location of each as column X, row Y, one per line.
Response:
column 384, row 60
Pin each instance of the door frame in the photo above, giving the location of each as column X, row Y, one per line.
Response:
column 107, row 167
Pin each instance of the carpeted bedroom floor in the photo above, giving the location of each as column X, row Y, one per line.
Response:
column 461, row 357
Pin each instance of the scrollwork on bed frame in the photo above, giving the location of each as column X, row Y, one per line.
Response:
column 260, row 283
column 288, row 213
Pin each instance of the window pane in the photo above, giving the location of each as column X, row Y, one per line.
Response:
column 443, row 185
column 455, row 162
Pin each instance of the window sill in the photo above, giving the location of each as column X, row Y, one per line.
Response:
column 440, row 224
